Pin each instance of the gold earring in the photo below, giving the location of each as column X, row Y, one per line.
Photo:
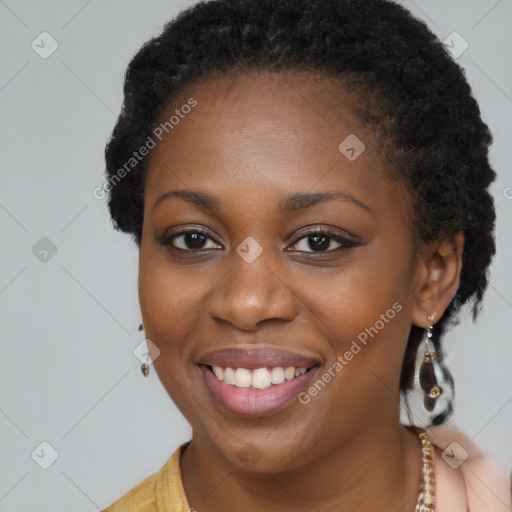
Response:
column 144, row 368
column 427, row 377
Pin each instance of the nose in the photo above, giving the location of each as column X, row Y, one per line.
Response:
column 251, row 293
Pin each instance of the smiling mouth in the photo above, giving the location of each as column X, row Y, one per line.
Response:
column 258, row 378
column 256, row 392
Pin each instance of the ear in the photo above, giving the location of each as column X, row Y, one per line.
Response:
column 437, row 278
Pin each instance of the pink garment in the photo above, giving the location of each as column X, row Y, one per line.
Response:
column 478, row 484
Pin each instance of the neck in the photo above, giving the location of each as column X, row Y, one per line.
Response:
column 377, row 469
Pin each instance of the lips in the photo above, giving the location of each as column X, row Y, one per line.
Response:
column 257, row 358
column 249, row 401
column 253, row 403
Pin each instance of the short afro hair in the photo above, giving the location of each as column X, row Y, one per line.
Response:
column 412, row 93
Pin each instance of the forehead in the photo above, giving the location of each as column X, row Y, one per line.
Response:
column 267, row 133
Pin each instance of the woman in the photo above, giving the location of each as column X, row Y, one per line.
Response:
column 307, row 184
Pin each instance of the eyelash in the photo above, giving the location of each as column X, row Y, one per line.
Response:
column 345, row 242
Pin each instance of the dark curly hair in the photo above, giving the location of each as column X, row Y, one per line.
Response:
column 410, row 91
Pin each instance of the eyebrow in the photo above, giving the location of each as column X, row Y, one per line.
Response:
column 290, row 203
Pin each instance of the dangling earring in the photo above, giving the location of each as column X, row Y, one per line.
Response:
column 427, row 376
column 144, row 368
column 429, row 401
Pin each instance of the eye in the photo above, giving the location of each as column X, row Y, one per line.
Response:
column 321, row 239
column 190, row 240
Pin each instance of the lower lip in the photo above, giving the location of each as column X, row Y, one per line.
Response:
column 252, row 402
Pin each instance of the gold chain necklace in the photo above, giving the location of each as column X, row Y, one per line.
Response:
column 427, row 497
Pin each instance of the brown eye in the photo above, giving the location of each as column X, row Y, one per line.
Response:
column 321, row 240
column 190, row 240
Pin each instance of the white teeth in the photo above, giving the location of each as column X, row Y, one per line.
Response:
column 218, row 372
column 277, row 375
column 289, row 373
column 260, row 378
column 242, row 378
column 229, row 376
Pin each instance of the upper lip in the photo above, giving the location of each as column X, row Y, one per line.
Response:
column 252, row 358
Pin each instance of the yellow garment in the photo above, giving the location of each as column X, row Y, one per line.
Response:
column 161, row 492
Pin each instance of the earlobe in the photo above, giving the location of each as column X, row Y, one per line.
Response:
column 439, row 271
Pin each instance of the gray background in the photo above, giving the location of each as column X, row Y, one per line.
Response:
column 69, row 324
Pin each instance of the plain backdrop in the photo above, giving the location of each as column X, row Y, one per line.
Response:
column 68, row 281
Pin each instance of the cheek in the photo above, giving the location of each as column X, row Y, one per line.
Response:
column 355, row 296
column 174, row 300
column 363, row 311
column 170, row 299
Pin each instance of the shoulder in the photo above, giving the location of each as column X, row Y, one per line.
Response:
column 467, row 479
column 139, row 499
column 160, row 492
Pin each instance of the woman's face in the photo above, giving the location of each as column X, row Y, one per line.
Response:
column 251, row 286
